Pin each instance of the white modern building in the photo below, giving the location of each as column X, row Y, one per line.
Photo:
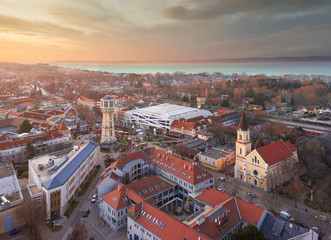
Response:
column 162, row 116
column 61, row 178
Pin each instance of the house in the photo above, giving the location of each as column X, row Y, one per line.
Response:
column 90, row 103
column 217, row 159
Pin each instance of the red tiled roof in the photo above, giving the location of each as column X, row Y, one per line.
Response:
column 238, row 210
column 249, row 213
column 120, row 163
column 113, row 176
column 180, row 124
column 34, row 115
column 117, row 198
column 192, row 174
column 172, row 229
column 149, row 186
column 275, row 152
column 11, row 122
column 213, row 197
column 63, row 127
column 55, row 112
column 291, row 146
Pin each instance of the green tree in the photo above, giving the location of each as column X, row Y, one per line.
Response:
column 25, row 126
column 225, row 103
column 249, row 232
column 31, row 151
column 185, row 98
column 292, row 101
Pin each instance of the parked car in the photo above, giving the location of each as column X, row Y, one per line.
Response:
column 86, row 213
column 286, row 216
column 14, row 232
column 302, row 224
column 253, row 195
column 219, row 189
column 222, row 179
column 94, row 198
column 321, row 217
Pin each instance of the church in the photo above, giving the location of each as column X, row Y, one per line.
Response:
column 265, row 167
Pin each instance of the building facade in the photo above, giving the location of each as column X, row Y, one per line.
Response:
column 61, row 178
column 264, row 167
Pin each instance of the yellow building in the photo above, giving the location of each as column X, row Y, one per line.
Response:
column 217, row 159
column 264, row 167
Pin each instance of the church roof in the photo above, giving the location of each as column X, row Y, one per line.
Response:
column 243, row 123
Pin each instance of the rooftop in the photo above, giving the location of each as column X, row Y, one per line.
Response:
column 55, row 174
column 167, row 110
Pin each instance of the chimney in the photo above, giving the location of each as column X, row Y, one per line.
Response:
column 189, row 168
column 119, row 187
column 184, row 166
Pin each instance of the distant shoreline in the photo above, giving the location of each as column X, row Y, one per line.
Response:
column 226, row 60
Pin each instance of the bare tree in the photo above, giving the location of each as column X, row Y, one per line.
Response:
column 233, row 188
column 322, row 226
column 296, row 188
column 79, row 232
column 270, row 203
column 33, row 215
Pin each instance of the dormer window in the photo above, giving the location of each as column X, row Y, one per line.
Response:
column 105, row 103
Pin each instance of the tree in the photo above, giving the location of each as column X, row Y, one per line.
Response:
column 296, row 188
column 32, row 214
column 31, row 151
column 185, row 98
column 225, row 103
column 249, row 232
column 79, row 232
column 233, row 188
column 270, row 203
column 25, row 126
column 258, row 143
column 292, row 101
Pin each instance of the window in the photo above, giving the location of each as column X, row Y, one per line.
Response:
column 240, row 151
column 105, row 103
column 240, row 137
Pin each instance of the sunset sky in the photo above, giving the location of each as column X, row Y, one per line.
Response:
column 147, row 30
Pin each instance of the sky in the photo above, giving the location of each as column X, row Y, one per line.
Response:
column 173, row 30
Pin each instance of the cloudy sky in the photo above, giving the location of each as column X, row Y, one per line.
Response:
column 146, row 30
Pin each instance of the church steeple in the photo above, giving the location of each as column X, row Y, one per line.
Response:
column 243, row 123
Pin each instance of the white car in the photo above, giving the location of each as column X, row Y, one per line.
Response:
column 321, row 217
column 94, row 198
column 219, row 189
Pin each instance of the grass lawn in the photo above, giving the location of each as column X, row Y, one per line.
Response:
column 118, row 148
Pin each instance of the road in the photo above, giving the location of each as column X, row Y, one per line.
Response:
column 303, row 125
column 285, row 204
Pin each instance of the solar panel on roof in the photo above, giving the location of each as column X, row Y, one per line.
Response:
column 278, row 227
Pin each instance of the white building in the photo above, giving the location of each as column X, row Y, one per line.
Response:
column 114, row 205
column 162, row 116
column 61, row 178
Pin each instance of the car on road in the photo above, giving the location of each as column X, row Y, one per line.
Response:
column 14, row 232
column 286, row 216
column 253, row 195
column 94, row 198
column 321, row 217
column 222, row 179
column 86, row 213
column 219, row 189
